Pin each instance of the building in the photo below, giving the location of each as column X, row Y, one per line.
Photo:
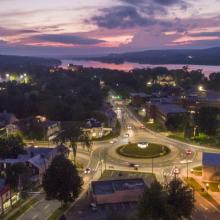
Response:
column 110, row 115
column 37, row 159
column 7, row 197
column 138, row 99
column 196, row 99
column 211, row 167
column 45, row 128
column 165, row 80
column 117, row 191
column 95, row 129
column 7, row 119
column 74, row 68
column 163, row 111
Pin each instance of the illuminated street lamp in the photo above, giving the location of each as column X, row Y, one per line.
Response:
column 207, row 186
column 149, row 83
column 201, row 88
column 7, row 75
column 188, row 153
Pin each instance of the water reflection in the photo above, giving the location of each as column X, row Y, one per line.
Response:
column 129, row 66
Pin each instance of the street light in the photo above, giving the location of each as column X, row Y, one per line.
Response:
column 188, row 153
column 200, row 88
column 152, row 164
column 207, row 186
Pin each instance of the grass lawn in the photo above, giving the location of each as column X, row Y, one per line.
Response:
column 197, row 171
column 196, row 186
column 58, row 212
column 199, row 168
column 23, row 209
column 202, row 139
column 213, row 187
column 153, row 150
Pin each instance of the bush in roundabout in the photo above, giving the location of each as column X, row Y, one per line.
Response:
column 151, row 151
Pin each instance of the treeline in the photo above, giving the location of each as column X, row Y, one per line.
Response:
column 136, row 80
column 22, row 64
column 208, row 56
column 59, row 96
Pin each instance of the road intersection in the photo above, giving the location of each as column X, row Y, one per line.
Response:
column 104, row 156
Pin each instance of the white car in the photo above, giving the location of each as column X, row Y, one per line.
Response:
column 126, row 135
column 129, row 127
column 87, row 170
column 112, row 141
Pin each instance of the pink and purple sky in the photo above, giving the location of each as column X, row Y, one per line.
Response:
column 87, row 27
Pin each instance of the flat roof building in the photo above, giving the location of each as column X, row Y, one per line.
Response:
column 211, row 167
column 117, row 191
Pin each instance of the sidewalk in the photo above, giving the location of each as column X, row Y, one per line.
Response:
column 17, row 207
column 214, row 195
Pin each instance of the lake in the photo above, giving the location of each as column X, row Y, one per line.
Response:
column 207, row 70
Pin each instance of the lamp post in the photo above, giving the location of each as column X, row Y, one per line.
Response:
column 207, row 186
column 152, row 164
column 188, row 153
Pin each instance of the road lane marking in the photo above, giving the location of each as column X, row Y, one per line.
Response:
column 203, row 206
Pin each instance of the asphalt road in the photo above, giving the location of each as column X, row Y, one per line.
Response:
column 104, row 156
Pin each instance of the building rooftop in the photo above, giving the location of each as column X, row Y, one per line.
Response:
column 111, row 186
column 211, row 159
column 170, row 108
column 140, row 94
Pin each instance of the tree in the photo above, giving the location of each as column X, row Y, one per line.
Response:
column 72, row 133
column 17, row 176
column 208, row 120
column 180, row 198
column 176, row 123
column 11, row 147
column 170, row 202
column 214, row 81
column 153, row 203
column 61, row 180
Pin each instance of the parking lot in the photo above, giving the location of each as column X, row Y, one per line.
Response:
column 103, row 211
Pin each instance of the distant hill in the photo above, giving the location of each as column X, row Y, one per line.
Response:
column 22, row 63
column 209, row 56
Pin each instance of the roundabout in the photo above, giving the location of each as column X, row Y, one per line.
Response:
column 140, row 151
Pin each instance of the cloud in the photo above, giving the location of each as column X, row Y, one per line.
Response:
column 133, row 13
column 2, row 42
column 206, row 34
column 169, row 2
column 160, row 2
column 12, row 32
column 121, row 17
column 67, row 39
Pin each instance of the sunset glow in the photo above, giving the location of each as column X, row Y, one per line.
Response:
column 106, row 26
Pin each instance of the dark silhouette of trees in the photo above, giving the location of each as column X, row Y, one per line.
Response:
column 171, row 202
column 18, row 176
column 72, row 133
column 207, row 120
column 62, row 180
column 11, row 147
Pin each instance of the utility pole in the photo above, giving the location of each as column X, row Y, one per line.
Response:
column 152, row 165
column 188, row 153
column 105, row 160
